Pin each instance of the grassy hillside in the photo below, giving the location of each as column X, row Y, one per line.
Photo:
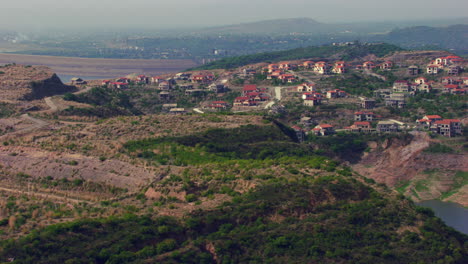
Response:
column 345, row 53
column 327, row 220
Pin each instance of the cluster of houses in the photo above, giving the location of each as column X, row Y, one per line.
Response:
column 363, row 124
column 251, row 96
column 451, row 64
column 438, row 125
column 185, row 81
column 311, row 97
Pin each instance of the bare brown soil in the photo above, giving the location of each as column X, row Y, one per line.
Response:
column 395, row 162
column 99, row 67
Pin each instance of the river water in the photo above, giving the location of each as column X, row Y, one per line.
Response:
column 452, row 214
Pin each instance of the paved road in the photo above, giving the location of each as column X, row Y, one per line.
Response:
column 198, row 111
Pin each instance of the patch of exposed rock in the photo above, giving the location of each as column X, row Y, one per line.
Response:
column 395, row 161
column 19, row 82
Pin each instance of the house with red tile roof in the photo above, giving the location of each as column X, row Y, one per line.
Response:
column 339, row 69
column 218, row 105
column 312, row 101
column 321, row 67
column 447, row 127
column 360, row 126
column 308, row 64
column 451, row 80
column 368, row 65
column 432, row 69
column 449, row 87
column 386, row 65
column 323, row 130
column 289, row 78
column 249, row 88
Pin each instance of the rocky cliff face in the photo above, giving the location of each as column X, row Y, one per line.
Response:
column 402, row 164
column 19, row 82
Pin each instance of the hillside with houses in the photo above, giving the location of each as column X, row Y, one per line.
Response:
column 165, row 168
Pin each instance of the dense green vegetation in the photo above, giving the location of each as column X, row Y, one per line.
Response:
column 345, row 53
column 245, row 142
column 446, row 105
column 332, row 219
column 438, row 148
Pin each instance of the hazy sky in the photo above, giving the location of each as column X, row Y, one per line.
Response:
column 171, row 13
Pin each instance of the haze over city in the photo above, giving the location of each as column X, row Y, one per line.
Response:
column 32, row 14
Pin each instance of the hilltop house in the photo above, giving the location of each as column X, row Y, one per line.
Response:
column 249, row 88
column 142, row 79
column 308, row 64
column 289, row 78
column 367, row 103
column 387, row 126
column 447, row 127
column 306, row 87
column 321, row 67
column 77, row 81
column 420, row 80
column 217, row 88
column 123, row 80
column 427, row 120
column 413, row 70
column 323, row 130
column 453, row 70
column 401, row 86
column 360, row 126
column 396, row 100
column 364, row 116
column 312, row 101
column 218, row 105
column 157, row 80
column 432, row 69
column 337, row 93
column 248, row 72
column 368, row 65
column 386, row 65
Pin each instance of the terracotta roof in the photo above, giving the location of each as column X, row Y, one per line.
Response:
column 446, row 121
column 433, row 116
column 250, row 87
column 362, row 123
column 325, row 126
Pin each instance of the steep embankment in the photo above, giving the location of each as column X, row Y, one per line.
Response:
column 19, row 82
column 421, row 175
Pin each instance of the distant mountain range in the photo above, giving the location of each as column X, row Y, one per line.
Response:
column 311, row 26
column 452, row 37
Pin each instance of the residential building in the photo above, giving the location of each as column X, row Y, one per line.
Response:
column 413, row 70
column 306, row 87
column 323, row 130
column 447, row 127
column 367, row 103
column 364, row 116
column 387, row 126
column 432, row 69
